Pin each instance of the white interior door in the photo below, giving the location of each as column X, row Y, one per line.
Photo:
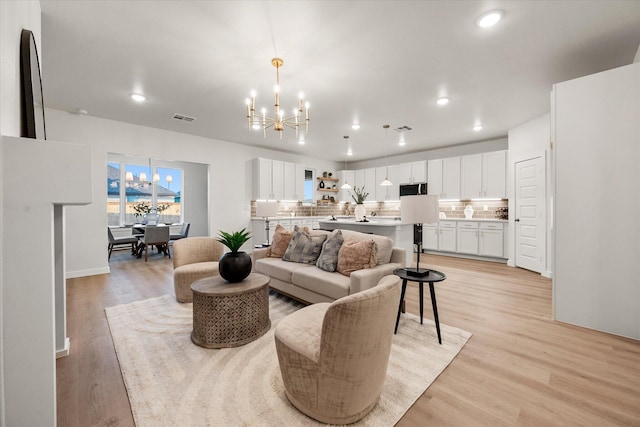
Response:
column 529, row 214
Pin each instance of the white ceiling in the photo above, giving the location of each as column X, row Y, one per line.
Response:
column 374, row 62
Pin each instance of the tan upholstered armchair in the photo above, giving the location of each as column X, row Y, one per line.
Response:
column 194, row 258
column 333, row 356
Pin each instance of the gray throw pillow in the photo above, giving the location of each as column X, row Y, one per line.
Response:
column 304, row 248
column 328, row 259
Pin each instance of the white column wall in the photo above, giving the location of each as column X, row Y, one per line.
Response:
column 597, row 183
column 14, row 16
column 28, row 274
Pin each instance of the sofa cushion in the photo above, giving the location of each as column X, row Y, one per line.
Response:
column 333, row 285
column 280, row 242
column 384, row 244
column 279, row 269
column 328, row 259
column 356, row 255
column 304, row 247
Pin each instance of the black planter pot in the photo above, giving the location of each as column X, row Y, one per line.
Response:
column 234, row 267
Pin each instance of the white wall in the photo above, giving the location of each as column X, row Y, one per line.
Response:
column 597, row 184
column 230, row 177
column 14, row 16
column 28, row 274
column 528, row 140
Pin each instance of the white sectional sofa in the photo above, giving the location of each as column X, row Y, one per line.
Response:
column 308, row 283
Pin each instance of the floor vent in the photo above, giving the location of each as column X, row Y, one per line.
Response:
column 183, row 117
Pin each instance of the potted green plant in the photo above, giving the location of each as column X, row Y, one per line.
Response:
column 234, row 266
column 359, row 197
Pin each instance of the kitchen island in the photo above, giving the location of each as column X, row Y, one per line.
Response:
column 401, row 234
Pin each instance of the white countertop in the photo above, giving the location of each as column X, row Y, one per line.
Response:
column 377, row 220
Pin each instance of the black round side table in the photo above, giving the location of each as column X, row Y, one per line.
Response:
column 431, row 277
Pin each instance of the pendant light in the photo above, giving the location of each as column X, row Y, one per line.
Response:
column 346, row 185
column 386, row 182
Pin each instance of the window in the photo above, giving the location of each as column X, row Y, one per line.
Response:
column 308, row 186
column 126, row 204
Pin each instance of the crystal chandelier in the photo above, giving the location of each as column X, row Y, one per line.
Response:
column 279, row 121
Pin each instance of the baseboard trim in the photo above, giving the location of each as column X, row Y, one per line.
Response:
column 65, row 351
column 467, row 256
column 89, row 272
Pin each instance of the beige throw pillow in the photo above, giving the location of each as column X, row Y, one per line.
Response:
column 280, row 242
column 355, row 256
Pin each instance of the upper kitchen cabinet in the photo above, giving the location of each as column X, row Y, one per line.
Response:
column 413, row 172
column 394, row 177
column 444, row 178
column 484, row 175
column 383, row 192
column 434, row 177
column 346, row 177
column 293, row 181
column 277, row 180
column 494, row 174
column 370, row 184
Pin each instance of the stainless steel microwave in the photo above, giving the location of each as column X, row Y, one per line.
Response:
column 413, row 189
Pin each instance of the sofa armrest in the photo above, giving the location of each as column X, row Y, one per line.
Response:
column 399, row 256
column 256, row 254
column 369, row 277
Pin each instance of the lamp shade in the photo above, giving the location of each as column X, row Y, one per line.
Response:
column 419, row 209
column 266, row 209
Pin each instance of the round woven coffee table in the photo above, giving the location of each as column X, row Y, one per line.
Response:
column 230, row 314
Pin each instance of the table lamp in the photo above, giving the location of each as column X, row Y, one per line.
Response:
column 417, row 210
column 266, row 209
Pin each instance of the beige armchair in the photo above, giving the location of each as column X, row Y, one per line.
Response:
column 194, row 258
column 333, row 356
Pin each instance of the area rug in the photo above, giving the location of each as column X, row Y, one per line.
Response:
column 172, row 382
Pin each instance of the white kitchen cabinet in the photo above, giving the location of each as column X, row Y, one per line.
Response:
column 394, row 177
column 293, row 181
column 447, row 240
column 434, row 177
column 494, row 174
column 346, row 176
column 468, row 237
column 358, row 180
column 484, row 175
column 441, row 237
column 443, row 178
column 491, row 241
column 471, row 176
column 419, row 171
column 370, row 184
column 430, row 237
column 277, row 183
column 404, row 173
column 262, row 179
column 382, row 191
column 451, row 178
column 277, row 180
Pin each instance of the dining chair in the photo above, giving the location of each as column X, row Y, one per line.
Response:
column 120, row 241
column 183, row 233
column 155, row 236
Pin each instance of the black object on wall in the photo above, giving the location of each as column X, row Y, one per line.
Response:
column 31, row 100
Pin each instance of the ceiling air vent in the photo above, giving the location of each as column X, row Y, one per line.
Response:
column 183, row 118
column 402, row 129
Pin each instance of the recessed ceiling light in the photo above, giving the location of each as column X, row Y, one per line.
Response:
column 489, row 19
column 81, row 111
column 355, row 126
column 477, row 128
column 138, row 97
column 442, row 101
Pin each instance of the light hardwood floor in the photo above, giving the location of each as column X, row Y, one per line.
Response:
column 520, row 368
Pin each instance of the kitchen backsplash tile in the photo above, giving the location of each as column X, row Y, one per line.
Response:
column 450, row 209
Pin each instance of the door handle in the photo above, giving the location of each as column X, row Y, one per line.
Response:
column 517, row 219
